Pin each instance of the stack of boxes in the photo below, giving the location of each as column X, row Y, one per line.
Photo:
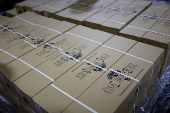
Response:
column 27, row 5
column 55, row 66
column 151, row 27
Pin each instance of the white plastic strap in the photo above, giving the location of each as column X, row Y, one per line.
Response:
column 24, row 20
column 94, row 65
column 54, row 46
column 49, row 28
column 134, row 108
column 50, row 7
column 22, row 35
column 30, row 44
column 124, row 1
column 36, row 70
column 124, row 75
column 80, row 11
column 70, row 56
column 74, row 99
column 8, row 53
column 7, row 29
column 84, row 38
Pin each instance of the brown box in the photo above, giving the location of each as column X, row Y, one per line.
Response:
column 138, row 104
column 49, row 9
column 79, row 12
column 81, row 76
column 11, row 13
column 97, row 19
column 139, row 26
column 113, row 87
column 28, row 5
column 3, row 18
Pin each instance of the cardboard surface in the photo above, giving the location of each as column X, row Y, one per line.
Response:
column 11, row 13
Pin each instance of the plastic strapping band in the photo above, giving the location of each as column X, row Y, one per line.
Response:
column 124, row 1
column 50, row 7
column 80, row 11
column 22, row 35
column 7, row 29
column 24, row 20
column 54, row 46
column 94, row 65
column 30, row 44
column 8, row 53
column 134, row 108
column 70, row 56
column 84, row 38
column 36, row 70
column 145, row 92
column 32, row 3
column 74, row 99
column 48, row 28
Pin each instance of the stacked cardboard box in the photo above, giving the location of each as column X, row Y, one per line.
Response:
column 57, row 66
column 28, row 5
column 115, row 17
column 33, row 32
column 11, row 13
column 82, row 10
column 151, row 27
column 49, row 9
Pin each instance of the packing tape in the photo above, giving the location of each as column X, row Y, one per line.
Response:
column 22, row 35
column 84, row 38
column 50, row 7
column 48, row 28
column 8, row 53
column 7, row 29
column 36, row 69
column 70, row 56
column 94, row 65
column 25, row 20
column 30, row 44
column 54, row 46
column 84, row 105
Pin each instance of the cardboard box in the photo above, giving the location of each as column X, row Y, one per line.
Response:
column 15, row 104
column 97, row 19
column 3, row 18
column 152, row 55
column 28, row 5
column 5, row 59
column 82, row 75
column 142, row 23
column 138, row 104
column 49, row 9
column 117, row 22
column 112, row 86
column 11, row 13
column 78, row 13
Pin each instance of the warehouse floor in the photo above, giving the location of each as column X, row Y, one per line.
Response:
column 162, row 105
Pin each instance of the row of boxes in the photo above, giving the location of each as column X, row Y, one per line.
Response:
column 151, row 27
column 135, row 19
column 55, row 66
